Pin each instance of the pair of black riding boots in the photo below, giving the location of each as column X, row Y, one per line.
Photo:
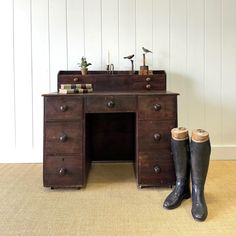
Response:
column 190, row 157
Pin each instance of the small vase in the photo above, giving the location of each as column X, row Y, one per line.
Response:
column 84, row 71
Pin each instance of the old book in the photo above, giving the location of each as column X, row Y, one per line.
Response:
column 76, row 86
column 77, row 90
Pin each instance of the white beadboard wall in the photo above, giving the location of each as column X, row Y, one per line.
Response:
column 194, row 41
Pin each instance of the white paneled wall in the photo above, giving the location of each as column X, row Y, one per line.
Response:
column 194, row 41
column 213, row 69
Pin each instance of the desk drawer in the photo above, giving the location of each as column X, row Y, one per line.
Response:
column 108, row 103
column 156, row 169
column 62, row 171
column 153, row 135
column 157, row 107
column 63, row 137
column 148, row 82
column 63, row 107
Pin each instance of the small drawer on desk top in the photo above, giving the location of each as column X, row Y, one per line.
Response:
column 107, row 103
column 148, row 83
column 71, row 79
column 157, row 107
column 156, row 169
column 62, row 171
column 63, row 107
column 63, row 137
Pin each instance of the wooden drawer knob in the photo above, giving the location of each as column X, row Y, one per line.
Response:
column 157, row 107
column 157, row 169
column 62, row 171
column 148, row 79
column 110, row 104
column 157, row 137
column 63, row 138
column 148, row 86
column 63, row 108
column 76, row 79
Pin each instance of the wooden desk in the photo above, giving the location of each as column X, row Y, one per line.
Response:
column 126, row 118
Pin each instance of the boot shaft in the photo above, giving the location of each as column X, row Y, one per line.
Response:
column 181, row 152
column 200, row 150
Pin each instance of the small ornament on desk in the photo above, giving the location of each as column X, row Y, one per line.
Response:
column 132, row 62
column 109, row 66
column 110, row 69
column 84, row 65
column 144, row 70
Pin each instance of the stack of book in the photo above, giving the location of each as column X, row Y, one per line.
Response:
column 75, row 88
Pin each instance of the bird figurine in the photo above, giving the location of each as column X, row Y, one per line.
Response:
column 129, row 57
column 146, row 50
column 132, row 62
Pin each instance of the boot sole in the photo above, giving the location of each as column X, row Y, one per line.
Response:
column 186, row 196
column 199, row 219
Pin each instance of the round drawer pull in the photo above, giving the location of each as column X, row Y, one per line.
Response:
column 157, row 107
column 157, row 169
column 62, row 171
column 157, row 137
column 76, row 79
column 148, row 79
column 110, row 104
column 148, row 86
column 63, row 138
column 63, row 108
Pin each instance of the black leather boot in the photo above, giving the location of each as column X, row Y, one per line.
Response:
column 181, row 156
column 200, row 156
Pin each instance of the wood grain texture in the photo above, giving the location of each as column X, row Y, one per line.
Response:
column 112, row 124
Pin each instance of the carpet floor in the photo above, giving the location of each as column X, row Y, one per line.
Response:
column 111, row 204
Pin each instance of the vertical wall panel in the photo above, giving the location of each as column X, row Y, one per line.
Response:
column 178, row 53
column 75, row 30
column 213, row 72
column 40, row 67
column 23, row 74
column 110, row 39
column 7, row 137
column 144, row 34
column 58, row 39
column 229, row 72
column 161, row 36
column 92, row 33
column 126, row 32
column 195, row 63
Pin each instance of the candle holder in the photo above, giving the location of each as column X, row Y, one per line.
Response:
column 110, row 69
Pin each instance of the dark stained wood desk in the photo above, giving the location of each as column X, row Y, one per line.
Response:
column 128, row 117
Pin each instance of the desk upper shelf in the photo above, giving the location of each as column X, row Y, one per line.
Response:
column 117, row 81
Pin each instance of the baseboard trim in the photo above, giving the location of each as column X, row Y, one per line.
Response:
column 223, row 152
column 22, row 156
column 218, row 152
